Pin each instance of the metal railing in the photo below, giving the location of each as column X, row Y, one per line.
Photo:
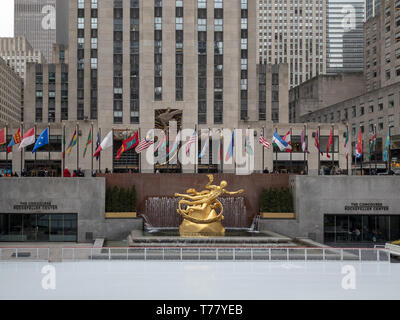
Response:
column 26, row 254
column 226, row 254
column 195, row 253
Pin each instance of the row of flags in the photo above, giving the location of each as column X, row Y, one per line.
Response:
column 283, row 143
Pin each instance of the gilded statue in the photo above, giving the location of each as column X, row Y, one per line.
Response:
column 202, row 212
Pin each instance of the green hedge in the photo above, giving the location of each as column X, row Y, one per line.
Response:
column 276, row 200
column 121, row 199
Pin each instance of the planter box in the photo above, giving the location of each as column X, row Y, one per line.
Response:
column 120, row 215
column 278, row 215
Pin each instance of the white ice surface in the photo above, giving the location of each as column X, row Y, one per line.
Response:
column 199, row 280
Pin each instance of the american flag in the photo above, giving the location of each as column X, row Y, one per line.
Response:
column 144, row 144
column 190, row 142
column 264, row 142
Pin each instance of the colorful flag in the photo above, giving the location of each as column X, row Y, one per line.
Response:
column 359, row 148
column 346, row 144
column 162, row 144
column 229, row 154
column 387, row 147
column 175, row 145
column 264, row 142
column 205, row 147
column 279, row 142
column 88, row 142
column 221, row 148
column 64, row 143
column 288, row 139
column 106, row 143
column 317, row 142
column 248, row 147
column 192, row 140
column 330, row 142
column 304, row 145
column 73, row 142
column 98, row 142
column 42, row 140
column 3, row 136
column 372, row 144
column 16, row 139
column 144, row 144
column 128, row 144
column 28, row 139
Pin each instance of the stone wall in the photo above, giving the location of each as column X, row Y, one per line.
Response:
column 152, row 185
column 84, row 196
column 317, row 196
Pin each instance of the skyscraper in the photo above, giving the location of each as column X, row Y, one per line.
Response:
column 371, row 8
column 293, row 32
column 344, row 43
column 42, row 23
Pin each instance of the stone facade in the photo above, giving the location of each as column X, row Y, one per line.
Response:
column 316, row 197
column 323, row 91
column 382, row 47
column 10, row 95
column 81, row 196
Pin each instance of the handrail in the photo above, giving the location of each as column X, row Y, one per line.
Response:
column 201, row 253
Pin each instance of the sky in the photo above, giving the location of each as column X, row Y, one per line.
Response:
column 7, row 18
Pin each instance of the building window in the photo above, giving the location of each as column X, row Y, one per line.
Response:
column 362, row 109
column 134, row 63
column 179, row 51
column 380, row 124
column 202, row 60
column 391, row 101
column 118, row 62
column 158, row 42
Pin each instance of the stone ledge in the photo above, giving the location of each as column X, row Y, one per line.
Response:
column 278, row 215
column 120, row 215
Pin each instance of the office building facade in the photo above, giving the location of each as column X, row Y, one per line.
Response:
column 293, row 32
column 344, row 40
column 10, row 95
column 42, row 23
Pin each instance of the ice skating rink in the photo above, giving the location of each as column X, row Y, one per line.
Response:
column 199, row 280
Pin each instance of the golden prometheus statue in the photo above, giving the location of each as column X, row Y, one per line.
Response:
column 202, row 212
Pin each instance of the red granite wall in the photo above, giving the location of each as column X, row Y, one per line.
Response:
column 152, row 185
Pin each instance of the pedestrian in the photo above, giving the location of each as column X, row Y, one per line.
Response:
column 67, row 173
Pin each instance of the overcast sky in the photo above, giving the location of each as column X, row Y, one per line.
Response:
column 7, row 18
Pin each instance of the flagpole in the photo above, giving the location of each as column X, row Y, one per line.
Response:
column 362, row 156
column 221, row 146
column 140, row 157
column 262, row 167
column 390, row 149
column 355, row 157
column 276, row 156
column 195, row 148
column 319, row 151
column 49, row 145
column 5, row 138
column 63, row 147
column 35, row 152
column 22, row 150
column 91, row 132
column 100, row 152
column 333, row 147
column 77, row 146
column 233, row 151
column 291, row 152
column 112, row 152
column 347, row 147
column 304, row 151
column 375, row 157
column 209, row 149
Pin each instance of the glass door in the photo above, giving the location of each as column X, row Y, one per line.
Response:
column 29, row 230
